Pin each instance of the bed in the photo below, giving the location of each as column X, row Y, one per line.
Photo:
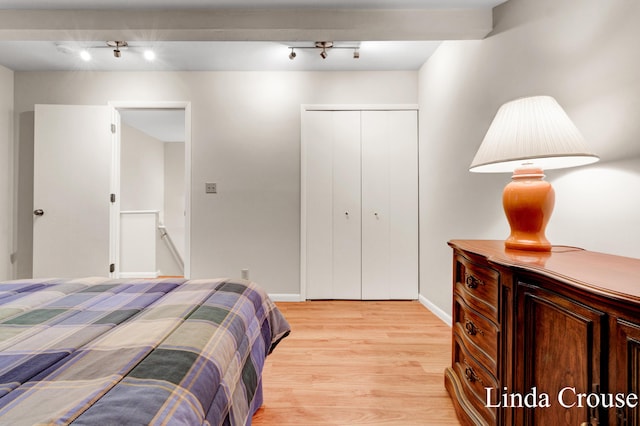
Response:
column 98, row 351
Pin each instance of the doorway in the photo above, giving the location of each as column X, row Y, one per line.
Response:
column 76, row 169
column 152, row 174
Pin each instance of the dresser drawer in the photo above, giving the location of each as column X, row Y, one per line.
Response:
column 474, row 378
column 478, row 286
column 478, row 333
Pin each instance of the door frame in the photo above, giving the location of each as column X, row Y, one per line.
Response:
column 114, row 240
column 303, row 169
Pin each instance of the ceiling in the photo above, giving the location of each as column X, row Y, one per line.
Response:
column 230, row 35
column 165, row 125
column 254, row 4
column 242, row 35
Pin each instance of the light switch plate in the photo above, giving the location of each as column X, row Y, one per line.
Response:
column 211, row 188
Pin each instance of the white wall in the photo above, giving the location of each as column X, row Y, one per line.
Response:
column 582, row 52
column 6, row 172
column 141, row 171
column 245, row 137
column 174, row 195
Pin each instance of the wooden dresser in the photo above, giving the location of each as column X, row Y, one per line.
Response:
column 544, row 338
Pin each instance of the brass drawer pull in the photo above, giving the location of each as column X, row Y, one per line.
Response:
column 472, row 329
column 471, row 375
column 472, row 282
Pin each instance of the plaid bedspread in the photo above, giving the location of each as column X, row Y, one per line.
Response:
column 134, row 352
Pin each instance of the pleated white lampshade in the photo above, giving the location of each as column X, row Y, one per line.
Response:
column 532, row 131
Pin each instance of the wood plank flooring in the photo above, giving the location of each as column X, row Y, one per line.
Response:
column 358, row 363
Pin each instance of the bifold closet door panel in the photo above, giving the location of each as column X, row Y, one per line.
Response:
column 331, row 159
column 347, row 225
column 389, row 205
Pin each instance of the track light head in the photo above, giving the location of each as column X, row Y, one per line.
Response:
column 85, row 55
column 292, row 55
column 149, row 55
column 324, row 45
column 117, row 44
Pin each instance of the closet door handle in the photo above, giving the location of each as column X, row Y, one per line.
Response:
column 38, row 212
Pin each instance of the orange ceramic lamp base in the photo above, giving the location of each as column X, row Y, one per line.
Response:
column 528, row 202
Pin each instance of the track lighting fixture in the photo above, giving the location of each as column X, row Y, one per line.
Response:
column 117, row 44
column 325, row 46
column 86, row 52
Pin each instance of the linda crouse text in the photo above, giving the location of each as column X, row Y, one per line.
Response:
column 567, row 397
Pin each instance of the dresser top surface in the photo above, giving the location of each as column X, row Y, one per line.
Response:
column 613, row 276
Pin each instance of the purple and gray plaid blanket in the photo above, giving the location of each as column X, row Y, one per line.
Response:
column 97, row 351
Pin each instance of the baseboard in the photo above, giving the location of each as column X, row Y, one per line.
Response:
column 285, row 297
column 445, row 317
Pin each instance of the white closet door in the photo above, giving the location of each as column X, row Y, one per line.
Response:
column 331, row 162
column 389, row 205
column 347, row 225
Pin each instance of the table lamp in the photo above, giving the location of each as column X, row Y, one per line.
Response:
column 526, row 136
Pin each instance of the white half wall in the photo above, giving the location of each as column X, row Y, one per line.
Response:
column 582, row 52
column 138, row 244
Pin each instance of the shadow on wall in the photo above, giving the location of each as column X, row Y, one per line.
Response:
column 593, row 22
column 605, row 194
column 24, row 185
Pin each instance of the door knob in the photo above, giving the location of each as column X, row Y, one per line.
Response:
column 38, row 212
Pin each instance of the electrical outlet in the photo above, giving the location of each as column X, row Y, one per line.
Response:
column 211, row 188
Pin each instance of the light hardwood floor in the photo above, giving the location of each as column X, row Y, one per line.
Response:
column 355, row 363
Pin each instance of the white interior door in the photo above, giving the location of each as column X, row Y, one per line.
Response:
column 72, row 186
column 347, row 230
column 331, row 159
column 389, row 205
